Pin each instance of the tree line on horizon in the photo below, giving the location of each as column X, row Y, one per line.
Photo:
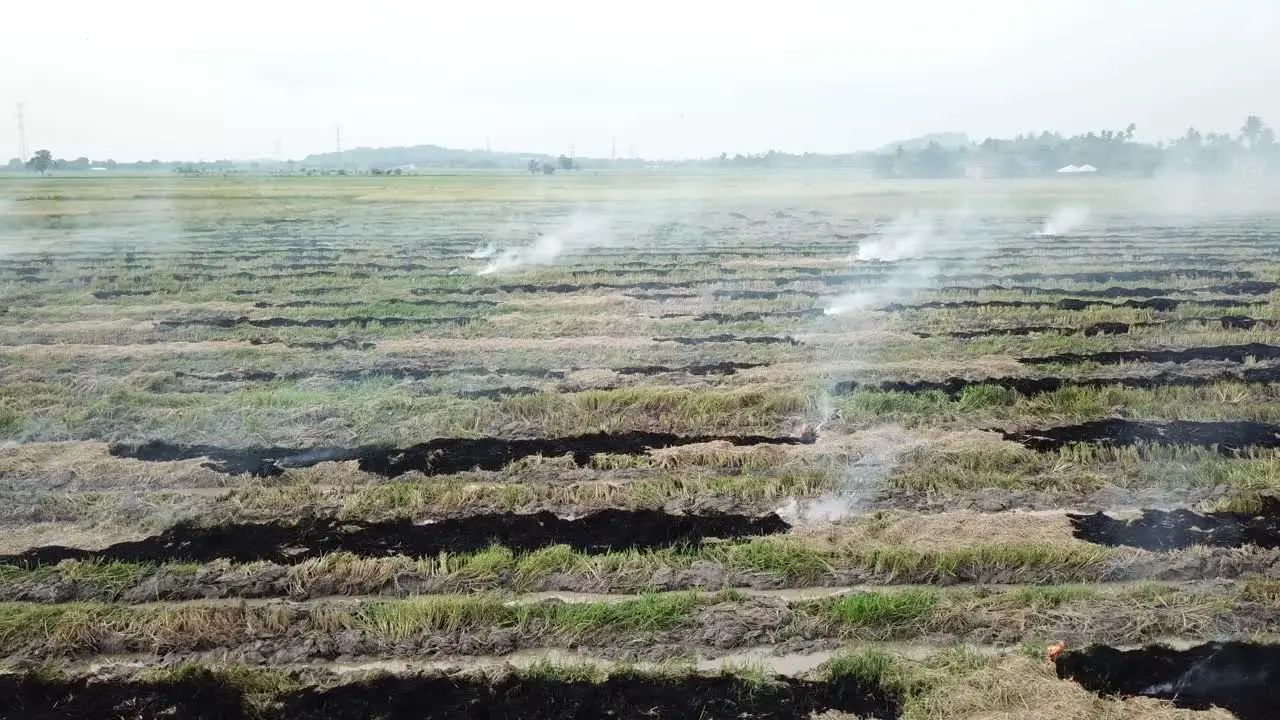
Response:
column 1252, row 150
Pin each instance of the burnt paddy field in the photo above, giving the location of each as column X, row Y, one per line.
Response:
column 650, row 446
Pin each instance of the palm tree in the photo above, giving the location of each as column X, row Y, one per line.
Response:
column 1252, row 130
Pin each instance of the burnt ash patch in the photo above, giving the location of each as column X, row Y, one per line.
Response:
column 662, row 296
column 723, row 318
column 280, row 322
column 1248, row 287
column 358, row 303
column 109, row 294
column 1102, row 328
column 1221, row 353
column 400, row 372
column 748, row 339
column 600, row 532
column 204, row 695
column 442, row 456
column 621, row 273
column 954, row 387
column 1157, row 304
column 498, row 393
column 1243, row 678
column 720, row 368
column 324, row 289
column 1228, row 436
column 1165, row 530
column 1111, row 276
column 1240, row 322
column 344, row 344
column 762, row 294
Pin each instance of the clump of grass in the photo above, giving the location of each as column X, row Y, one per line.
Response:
column 891, row 612
column 876, row 668
column 547, row 670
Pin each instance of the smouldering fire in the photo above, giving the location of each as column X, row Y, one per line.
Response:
column 1055, row 650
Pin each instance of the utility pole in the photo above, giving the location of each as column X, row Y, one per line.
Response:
column 613, row 149
column 22, row 135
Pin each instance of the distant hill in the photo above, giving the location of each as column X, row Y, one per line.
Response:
column 948, row 140
column 421, row 156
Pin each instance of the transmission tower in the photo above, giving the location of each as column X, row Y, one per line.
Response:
column 22, row 135
column 337, row 143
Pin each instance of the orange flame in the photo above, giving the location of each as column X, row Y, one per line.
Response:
column 1055, row 650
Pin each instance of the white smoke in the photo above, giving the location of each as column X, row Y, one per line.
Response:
column 483, row 253
column 853, row 302
column 1065, row 220
column 857, row 483
column 909, row 236
column 579, row 231
column 904, row 238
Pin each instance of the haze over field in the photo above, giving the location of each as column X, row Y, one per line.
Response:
column 139, row 79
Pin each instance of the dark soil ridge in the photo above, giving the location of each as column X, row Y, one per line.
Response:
column 662, row 296
column 1219, row 353
column 442, row 456
column 1228, row 322
column 204, row 695
column 720, row 368
column 109, row 294
column 344, row 344
column 626, row 273
column 762, row 294
column 1228, row 436
column 1110, row 275
column 725, row 338
column 1251, row 287
column 581, row 287
column 359, row 303
column 1164, row 530
column 400, row 372
column 1157, row 304
column 599, row 532
column 954, row 387
column 722, row 318
column 279, row 322
column 1236, row 676
column 1102, row 328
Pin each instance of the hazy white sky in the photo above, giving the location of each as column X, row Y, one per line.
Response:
column 137, row 79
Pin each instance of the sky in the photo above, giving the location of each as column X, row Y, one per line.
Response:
column 143, row 79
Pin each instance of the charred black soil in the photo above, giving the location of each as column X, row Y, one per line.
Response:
column 1159, row 304
column 442, row 456
column 1228, row 436
column 1237, row 676
column 600, row 532
column 1249, row 287
column 204, row 695
column 1221, row 353
column 279, row 322
column 748, row 339
column 762, row 294
column 721, row 368
column 398, row 372
column 1103, row 328
column 1112, row 276
column 954, row 387
column 1163, row 530
column 722, row 318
